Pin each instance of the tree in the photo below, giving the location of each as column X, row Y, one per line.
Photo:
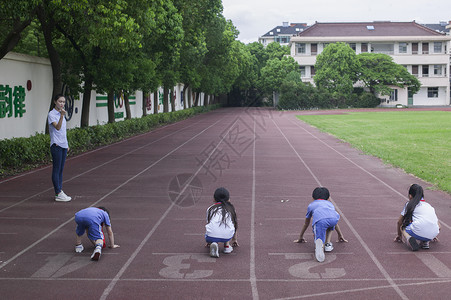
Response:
column 275, row 50
column 15, row 16
column 96, row 33
column 275, row 73
column 336, row 70
column 378, row 72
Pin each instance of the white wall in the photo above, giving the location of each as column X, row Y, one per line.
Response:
column 17, row 69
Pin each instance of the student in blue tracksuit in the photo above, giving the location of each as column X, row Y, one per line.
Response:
column 325, row 219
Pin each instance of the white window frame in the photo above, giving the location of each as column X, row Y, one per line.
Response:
column 402, row 48
column 433, row 92
column 302, row 46
column 394, row 95
column 438, row 47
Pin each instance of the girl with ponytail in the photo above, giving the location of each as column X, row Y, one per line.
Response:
column 418, row 221
column 221, row 223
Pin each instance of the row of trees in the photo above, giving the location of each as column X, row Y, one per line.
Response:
column 128, row 45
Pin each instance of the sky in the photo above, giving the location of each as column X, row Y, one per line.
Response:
column 253, row 18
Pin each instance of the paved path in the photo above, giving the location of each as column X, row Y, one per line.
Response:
column 158, row 186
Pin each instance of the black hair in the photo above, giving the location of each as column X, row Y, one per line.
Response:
column 56, row 97
column 321, row 193
column 222, row 196
column 416, row 191
column 106, row 210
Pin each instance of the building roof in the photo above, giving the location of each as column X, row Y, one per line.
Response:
column 286, row 29
column 440, row 27
column 383, row 28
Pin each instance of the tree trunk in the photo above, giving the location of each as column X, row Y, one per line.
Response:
column 128, row 114
column 185, row 104
column 165, row 100
column 86, row 102
column 196, row 104
column 47, row 26
column 173, row 98
column 155, row 102
column 13, row 37
column 110, row 106
column 146, row 97
column 190, row 96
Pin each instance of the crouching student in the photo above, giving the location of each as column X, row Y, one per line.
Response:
column 325, row 219
column 92, row 220
column 418, row 221
column 221, row 224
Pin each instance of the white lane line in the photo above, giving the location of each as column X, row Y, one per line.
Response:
column 253, row 276
column 296, row 253
column 360, row 290
column 2, row 265
column 351, row 227
column 92, row 169
column 284, row 219
column 26, row 218
column 360, row 167
column 200, row 234
column 116, row 278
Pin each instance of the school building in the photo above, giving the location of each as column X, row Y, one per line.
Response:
column 425, row 53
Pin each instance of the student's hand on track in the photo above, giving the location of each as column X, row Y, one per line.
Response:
column 398, row 239
column 342, row 240
column 434, row 240
column 235, row 244
column 114, row 246
column 300, row 241
column 207, row 245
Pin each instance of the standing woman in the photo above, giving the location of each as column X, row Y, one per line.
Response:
column 58, row 145
column 418, row 221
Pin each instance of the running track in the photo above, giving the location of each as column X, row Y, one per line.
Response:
column 158, row 186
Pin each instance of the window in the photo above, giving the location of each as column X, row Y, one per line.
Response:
column 402, row 47
column 437, row 70
column 312, row 70
column 301, row 48
column 437, row 47
column 302, row 71
column 425, row 71
column 414, row 48
column 432, row 92
column 314, row 49
column 352, row 45
column 282, row 39
column 425, row 48
column 278, row 29
column 415, row 70
column 394, row 95
column 383, row 48
column 364, row 47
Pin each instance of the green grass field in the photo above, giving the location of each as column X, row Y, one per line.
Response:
column 417, row 141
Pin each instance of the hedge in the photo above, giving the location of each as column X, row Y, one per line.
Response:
column 21, row 154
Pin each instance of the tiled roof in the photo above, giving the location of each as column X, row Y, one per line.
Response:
column 286, row 30
column 438, row 27
column 383, row 28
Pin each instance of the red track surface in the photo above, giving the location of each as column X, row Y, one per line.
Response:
column 158, row 186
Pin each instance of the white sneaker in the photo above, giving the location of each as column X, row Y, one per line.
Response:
column 214, row 250
column 79, row 248
column 319, row 251
column 62, row 197
column 96, row 254
column 328, row 247
column 228, row 249
column 425, row 245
